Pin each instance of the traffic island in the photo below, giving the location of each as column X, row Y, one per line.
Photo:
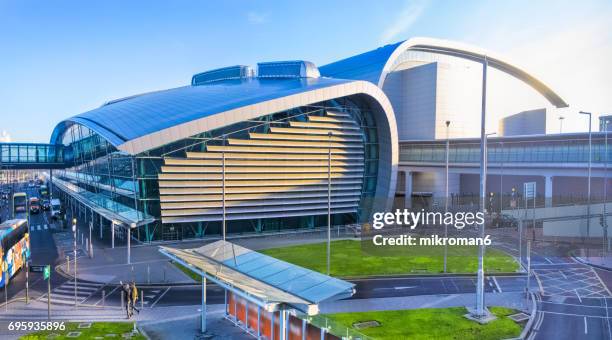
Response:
column 349, row 260
column 425, row 324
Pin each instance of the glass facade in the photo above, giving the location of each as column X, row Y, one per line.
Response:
column 99, row 170
column 46, row 155
column 525, row 151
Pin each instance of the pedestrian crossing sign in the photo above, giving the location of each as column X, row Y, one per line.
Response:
column 47, row 272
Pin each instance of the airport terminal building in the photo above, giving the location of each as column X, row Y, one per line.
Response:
column 265, row 149
column 279, row 146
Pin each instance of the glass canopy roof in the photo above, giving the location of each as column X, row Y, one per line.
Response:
column 269, row 279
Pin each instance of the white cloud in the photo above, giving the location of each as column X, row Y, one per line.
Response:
column 5, row 137
column 256, row 17
column 404, row 20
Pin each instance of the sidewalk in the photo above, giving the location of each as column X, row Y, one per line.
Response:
column 604, row 262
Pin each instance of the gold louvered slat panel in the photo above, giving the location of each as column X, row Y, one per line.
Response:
column 255, row 203
column 269, row 150
column 323, row 132
column 264, row 182
column 235, row 217
column 241, row 210
column 257, row 196
column 323, row 125
column 338, row 114
column 262, row 169
column 170, row 180
column 258, row 162
column 257, row 189
column 288, row 136
column 280, row 173
column 326, row 119
column 276, row 156
column 300, row 144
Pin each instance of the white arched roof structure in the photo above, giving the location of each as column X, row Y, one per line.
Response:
column 375, row 65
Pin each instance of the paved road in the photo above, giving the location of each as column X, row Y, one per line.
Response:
column 575, row 300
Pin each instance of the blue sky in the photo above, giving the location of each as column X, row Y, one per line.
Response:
column 60, row 58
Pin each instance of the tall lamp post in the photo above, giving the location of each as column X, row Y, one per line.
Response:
column 480, row 311
column 589, row 177
column 446, row 194
column 329, row 203
column 74, row 228
column 605, row 188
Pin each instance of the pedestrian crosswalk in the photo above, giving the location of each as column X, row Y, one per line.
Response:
column 40, row 227
column 65, row 293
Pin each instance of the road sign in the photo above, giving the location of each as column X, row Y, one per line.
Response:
column 530, row 190
column 47, row 272
column 37, row 268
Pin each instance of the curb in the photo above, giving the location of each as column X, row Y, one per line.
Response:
column 529, row 324
column 581, row 260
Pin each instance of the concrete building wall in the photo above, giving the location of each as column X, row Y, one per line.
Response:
column 412, row 93
column 426, row 95
column 531, row 122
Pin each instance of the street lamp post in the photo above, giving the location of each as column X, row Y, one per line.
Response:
column 480, row 306
column 74, row 228
column 329, row 203
column 605, row 188
column 589, row 177
column 446, row 194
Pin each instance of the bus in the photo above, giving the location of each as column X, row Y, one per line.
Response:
column 20, row 205
column 14, row 247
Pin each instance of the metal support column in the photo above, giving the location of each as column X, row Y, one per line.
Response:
column 203, row 316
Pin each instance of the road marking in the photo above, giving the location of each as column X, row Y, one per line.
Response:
column 586, row 331
column 602, row 283
column 573, row 314
column 45, row 226
column 560, row 272
column 159, row 298
column 497, row 284
column 578, row 295
column 548, row 260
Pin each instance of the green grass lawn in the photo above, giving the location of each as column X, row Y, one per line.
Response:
column 430, row 323
column 348, row 259
column 98, row 329
column 188, row 272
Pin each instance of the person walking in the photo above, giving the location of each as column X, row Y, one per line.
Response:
column 134, row 297
column 125, row 291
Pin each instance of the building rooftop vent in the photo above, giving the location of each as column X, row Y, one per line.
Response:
column 225, row 73
column 288, row 69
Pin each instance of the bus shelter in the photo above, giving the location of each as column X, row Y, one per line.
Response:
column 263, row 295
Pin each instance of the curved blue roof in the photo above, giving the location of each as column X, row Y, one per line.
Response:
column 366, row 66
column 126, row 119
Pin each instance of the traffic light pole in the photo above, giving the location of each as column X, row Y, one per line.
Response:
column 49, row 296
